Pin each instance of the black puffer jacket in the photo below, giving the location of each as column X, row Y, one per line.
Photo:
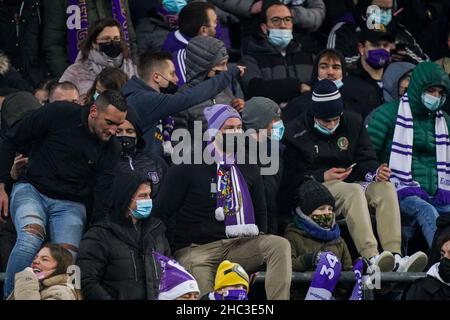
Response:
column 115, row 255
column 272, row 75
column 310, row 153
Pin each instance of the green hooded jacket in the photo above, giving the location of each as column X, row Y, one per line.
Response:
column 382, row 125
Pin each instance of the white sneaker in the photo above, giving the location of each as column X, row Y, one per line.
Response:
column 385, row 261
column 415, row 263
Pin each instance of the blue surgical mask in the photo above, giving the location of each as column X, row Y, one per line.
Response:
column 338, row 83
column 280, row 38
column 96, row 94
column 323, row 129
column 239, row 294
column 143, row 209
column 385, row 16
column 431, row 102
column 277, row 131
column 174, row 6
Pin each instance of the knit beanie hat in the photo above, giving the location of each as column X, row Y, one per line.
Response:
column 312, row 195
column 175, row 280
column 202, row 54
column 216, row 115
column 16, row 106
column 259, row 112
column 326, row 100
column 230, row 274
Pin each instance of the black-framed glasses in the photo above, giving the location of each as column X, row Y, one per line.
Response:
column 277, row 20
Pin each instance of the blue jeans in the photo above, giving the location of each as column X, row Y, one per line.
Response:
column 63, row 220
column 416, row 211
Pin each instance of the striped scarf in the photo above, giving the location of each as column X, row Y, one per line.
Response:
column 402, row 152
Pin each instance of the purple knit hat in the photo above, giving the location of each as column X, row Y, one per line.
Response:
column 216, row 116
column 175, row 280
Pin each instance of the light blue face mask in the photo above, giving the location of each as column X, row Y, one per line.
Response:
column 280, row 38
column 338, row 83
column 143, row 209
column 385, row 16
column 96, row 94
column 174, row 6
column 323, row 129
column 431, row 102
column 277, row 131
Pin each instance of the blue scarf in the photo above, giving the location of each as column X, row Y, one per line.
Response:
column 304, row 223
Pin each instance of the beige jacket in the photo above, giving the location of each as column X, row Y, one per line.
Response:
column 28, row 287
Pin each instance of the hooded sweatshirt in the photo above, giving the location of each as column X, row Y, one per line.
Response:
column 382, row 125
column 391, row 79
column 116, row 255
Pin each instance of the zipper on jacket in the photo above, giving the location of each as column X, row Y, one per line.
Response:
column 130, row 161
column 134, row 265
column 155, row 268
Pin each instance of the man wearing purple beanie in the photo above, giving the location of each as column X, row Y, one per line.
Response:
column 217, row 211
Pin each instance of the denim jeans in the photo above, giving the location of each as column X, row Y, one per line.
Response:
column 62, row 220
column 416, row 211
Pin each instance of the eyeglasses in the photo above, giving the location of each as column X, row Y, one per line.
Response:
column 277, row 20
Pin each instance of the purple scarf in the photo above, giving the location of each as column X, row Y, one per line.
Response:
column 234, row 203
column 76, row 36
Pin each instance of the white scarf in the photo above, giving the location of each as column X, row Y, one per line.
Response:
column 400, row 161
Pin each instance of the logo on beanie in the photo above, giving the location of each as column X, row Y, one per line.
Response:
column 343, row 143
column 153, row 176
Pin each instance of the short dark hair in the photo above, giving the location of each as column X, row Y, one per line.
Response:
column 110, row 78
column 93, row 33
column 267, row 5
column 443, row 238
column 46, row 84
column 148, row 61
column 65, row 85
column 61, row 255
column 112, row 97
column 194, row 16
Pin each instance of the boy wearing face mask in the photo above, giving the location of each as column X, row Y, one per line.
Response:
column 436, row 285
column 231, row 283
column 411, row 133
column 333, row 146
column 116, row 254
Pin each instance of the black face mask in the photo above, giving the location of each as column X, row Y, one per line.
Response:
column 112, row 49
column 128, row 145
column 172, row 88
column 444, row 269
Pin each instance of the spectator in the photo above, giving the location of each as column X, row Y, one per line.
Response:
column 263, row 116
column 20, row 39
column 276, row 66
column 191, row 196
column 69, row 146
column 206, row 57
column 103, row 47
column 231, row 283
column 436, row 285
column 61, row 43
column 444, row 61
column 47, row 278
column 396, row 80
column 157, row 25
column 133, row 158
column 363, row 85
column 153, row 93
column 196, row 19
column 109, row 78
column 42, row 91
column 64, row 91
column 407, row 133
column 115, row 258
column 9, row 77
column 176, row 283
column 333, row 146
column 380, row 15
column 329, row 64
column 314, row 229
column 443, row 227
column 4, row 92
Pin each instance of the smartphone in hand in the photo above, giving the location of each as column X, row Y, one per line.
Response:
column 350, row 167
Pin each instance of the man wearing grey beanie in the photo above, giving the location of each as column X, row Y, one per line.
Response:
column 263, row 115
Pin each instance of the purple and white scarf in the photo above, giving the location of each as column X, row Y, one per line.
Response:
column 234, row 203
column 402, row 151
column 76, row 36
